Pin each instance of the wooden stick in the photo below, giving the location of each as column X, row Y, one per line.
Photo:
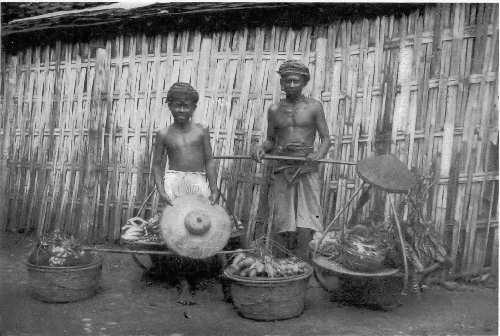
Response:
column 279, row 157
column 346, row 206
column 124, row 251
column 400, row 233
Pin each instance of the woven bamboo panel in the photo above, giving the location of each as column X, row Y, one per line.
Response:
column 78, row 122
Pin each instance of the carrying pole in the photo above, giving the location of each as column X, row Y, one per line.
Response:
column 282, row 157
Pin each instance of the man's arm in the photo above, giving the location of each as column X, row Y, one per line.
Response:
column 210, row 167
column 159, row 163
column 323, row 132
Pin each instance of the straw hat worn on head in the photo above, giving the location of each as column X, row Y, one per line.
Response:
column 194, row 228
column 182, row 90
column 294, row 67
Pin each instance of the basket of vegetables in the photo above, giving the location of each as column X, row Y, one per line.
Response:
column 266, row 288
column 59, row 270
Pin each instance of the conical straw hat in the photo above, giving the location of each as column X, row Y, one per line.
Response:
column 194, row 228
column 386, row 172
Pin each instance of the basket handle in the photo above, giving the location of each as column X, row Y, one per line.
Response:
column 143, row 205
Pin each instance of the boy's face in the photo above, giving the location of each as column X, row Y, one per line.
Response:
column 182, row 109
column 293, row 84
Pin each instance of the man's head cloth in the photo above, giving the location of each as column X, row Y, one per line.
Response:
column 294, row 67
column 182, row 90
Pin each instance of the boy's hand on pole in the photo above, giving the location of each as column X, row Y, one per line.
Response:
column 214, row 197
column 165, row 198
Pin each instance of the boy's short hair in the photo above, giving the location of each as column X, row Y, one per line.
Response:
column 180, row 89
column 294, row 67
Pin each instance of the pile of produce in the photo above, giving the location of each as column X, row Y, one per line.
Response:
column 362, row 254
column 138, row 229
column 60, row 250
column 265, row 266
column 363, row 248
column 330, row 246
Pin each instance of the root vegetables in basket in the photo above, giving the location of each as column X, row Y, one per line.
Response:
column 251, row 266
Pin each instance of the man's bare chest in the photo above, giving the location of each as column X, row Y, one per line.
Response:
column 290, row 115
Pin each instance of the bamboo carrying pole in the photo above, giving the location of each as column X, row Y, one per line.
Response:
column 282, row 157
column 123, row 251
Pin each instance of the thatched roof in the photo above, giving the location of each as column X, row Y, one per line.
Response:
column 89, row 21
column 19, row 10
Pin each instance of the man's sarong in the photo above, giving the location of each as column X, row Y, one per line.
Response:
column 180, row 183
column 296, row 204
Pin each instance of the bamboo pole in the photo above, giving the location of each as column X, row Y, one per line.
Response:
column 282, row 157
column 8, row 120
column 403, row 248
column 97, row 107
column 337, row 215
column 126, row 251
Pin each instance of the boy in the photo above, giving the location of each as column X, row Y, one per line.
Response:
column 191, row 170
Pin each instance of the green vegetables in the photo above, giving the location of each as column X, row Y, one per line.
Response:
column 59, row 250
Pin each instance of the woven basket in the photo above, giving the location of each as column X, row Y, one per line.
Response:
column 64, row 284
column 269, row 299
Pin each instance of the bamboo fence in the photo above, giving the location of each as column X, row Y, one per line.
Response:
column 78, row 120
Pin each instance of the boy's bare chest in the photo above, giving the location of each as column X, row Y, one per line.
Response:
column 180, row 141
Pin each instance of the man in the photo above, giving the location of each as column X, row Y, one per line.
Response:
column 294, row 195
column 191, row 170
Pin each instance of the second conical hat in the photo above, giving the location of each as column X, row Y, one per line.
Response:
column 194, row 228
column 386, row 172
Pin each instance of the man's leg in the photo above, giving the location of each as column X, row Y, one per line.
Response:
column 304, row 236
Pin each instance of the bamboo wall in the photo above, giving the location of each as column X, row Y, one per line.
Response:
column 78, row 122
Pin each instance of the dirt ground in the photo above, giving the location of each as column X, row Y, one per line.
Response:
column 127, row 305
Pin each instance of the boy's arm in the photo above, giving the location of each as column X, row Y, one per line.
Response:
column 323, row 132
column 159, row 163
column 211, row 168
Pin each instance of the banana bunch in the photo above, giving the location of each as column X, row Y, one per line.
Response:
column 251, row 266
column 134, row 229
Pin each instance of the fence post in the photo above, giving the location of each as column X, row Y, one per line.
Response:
column 8, row 117
column 93, row 153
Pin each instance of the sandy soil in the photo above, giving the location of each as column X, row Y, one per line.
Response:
column 128, row 305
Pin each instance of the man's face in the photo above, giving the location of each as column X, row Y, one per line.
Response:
column 182, row 109
column 293, row 84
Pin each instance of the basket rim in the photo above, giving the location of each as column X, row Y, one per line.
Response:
column 96, row 260
column 332, row 266
column 248, row 280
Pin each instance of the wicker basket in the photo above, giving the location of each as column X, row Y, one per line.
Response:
column 269, row 299
column 64, row 284
column 380, row 289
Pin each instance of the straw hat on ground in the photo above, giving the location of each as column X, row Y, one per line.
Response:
column 194, row 228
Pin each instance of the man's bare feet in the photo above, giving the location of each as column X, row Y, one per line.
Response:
column 186, row 295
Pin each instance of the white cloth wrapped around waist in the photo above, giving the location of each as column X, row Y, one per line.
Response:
column 180, row 183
